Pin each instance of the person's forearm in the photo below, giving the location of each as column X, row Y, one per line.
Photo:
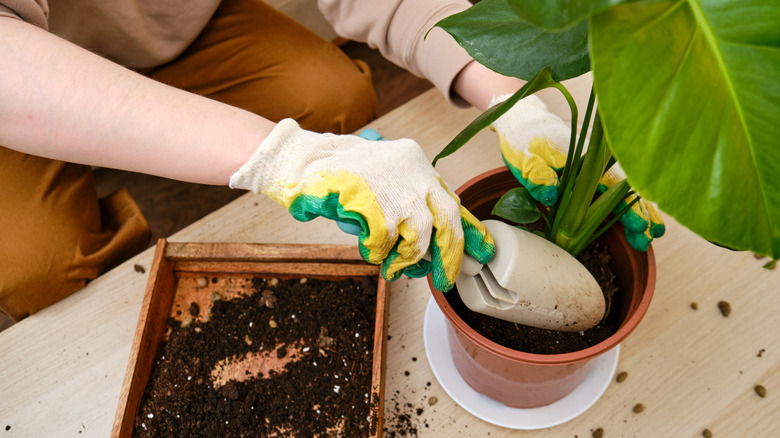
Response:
column 62, row 102
column 478, row 85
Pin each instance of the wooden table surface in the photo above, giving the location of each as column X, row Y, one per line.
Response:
column 61, row 370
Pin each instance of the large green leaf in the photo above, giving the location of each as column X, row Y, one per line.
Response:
column 559, row 14
column 496, row 37
column 689, row 91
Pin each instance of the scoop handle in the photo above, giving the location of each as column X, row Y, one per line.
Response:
column 470, row 266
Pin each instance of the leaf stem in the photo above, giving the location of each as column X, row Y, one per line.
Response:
column 542, row 80
column 570, row 218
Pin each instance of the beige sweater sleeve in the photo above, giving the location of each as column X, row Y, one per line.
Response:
column 32, row 11
column 133, row 33
column 397, row 28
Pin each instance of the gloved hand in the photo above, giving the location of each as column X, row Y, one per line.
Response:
column 642, row 221
column 387, row 188
column 534, row 144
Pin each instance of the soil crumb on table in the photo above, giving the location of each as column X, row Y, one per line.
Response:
column 725, row 308
column 403, row 419
column 233, row 375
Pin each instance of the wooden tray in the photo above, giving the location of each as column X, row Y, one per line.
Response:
column 173, row 282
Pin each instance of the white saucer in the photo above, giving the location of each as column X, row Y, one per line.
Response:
column 437, row 349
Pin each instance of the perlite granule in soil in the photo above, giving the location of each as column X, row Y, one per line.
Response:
column 294, row 358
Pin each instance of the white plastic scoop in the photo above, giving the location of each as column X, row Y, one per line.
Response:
column 531, row 281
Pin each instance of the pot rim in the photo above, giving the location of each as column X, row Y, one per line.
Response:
column 627, row 326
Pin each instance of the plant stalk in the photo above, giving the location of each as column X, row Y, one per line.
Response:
column 570, row 219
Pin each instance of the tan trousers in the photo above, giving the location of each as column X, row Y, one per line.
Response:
column 56, row 235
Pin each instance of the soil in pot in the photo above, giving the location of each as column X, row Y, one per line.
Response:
column 540, row 341
column 294, row 358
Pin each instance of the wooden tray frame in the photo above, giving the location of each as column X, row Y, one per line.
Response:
column 172, row 259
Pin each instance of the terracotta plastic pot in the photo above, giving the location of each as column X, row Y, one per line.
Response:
column 525, row 380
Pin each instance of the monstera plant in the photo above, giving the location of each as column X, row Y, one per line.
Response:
column 687, row 92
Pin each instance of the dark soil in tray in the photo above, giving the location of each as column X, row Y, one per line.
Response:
column 541, row 341
column 292, row 359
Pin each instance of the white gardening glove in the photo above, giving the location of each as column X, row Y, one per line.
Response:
column 534, row 143
column 387, row 188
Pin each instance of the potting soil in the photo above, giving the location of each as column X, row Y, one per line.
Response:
column 294, row 358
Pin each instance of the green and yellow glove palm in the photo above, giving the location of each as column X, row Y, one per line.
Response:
column 534, row 144
column 641, row 221
column 389, row 189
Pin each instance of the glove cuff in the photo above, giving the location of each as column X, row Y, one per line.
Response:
column 284, row 151
column 253, row 174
